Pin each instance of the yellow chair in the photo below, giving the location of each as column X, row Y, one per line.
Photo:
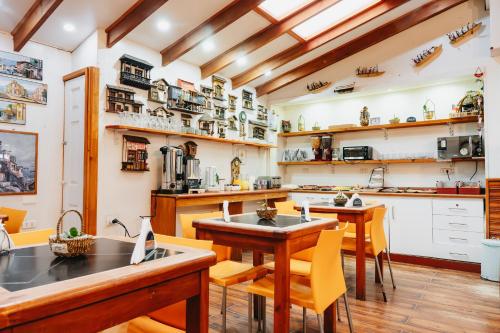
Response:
column 286, row 207
column 16, row 218
column 226, row 272
column 376, row 244
column 32, row 237
column 325, row 286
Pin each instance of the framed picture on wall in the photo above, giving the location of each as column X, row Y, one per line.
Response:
column 21, row 66
column 12, row 112
column 18, row 162
column 22, row 90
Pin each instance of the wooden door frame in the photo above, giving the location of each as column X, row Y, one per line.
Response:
column 90, row 168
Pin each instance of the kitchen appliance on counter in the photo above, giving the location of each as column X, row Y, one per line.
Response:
column 172, row 180
column 326, row 147
column 466, row 146
column 316, row 147
column 357, row 153
column 276, row 182
column 192, row 177
column 211, row 178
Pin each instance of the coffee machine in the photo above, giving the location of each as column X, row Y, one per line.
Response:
column 326, row 147
column 192, row 177
column 172, row 180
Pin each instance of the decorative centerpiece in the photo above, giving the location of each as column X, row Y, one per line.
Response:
column 427, row 55
column 340, row 199
column 316, row 87
column 70, row 243
column 394, row 120
column 364, row 118
column 464, row 32
column 368, row 71
column 266, row 212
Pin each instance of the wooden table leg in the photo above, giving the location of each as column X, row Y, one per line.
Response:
column 258, row 259
column 380, row 259
column 197, row 308
column 360, row 258
column 282, row 287
column 330, row 319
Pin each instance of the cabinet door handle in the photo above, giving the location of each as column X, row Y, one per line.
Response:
column 456, row 223
column 458, row 239
column 458, row 254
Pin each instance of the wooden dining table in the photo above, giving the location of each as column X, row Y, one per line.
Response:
column 40, row 292
column 360, row 216
column 285, row 235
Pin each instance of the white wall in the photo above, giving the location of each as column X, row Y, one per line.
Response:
column 127, row 195
column 401, row 91
column 47, row 120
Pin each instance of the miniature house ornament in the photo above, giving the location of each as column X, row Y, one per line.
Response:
column 122, row 99
column 135, row 72
column 135, row 153
column 247, row 99
column 158, row 92
column 232, row 103
column 218, row 87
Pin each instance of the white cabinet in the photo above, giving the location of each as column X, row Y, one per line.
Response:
column 458, row 228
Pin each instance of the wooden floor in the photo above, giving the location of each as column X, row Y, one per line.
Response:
column 426, row 300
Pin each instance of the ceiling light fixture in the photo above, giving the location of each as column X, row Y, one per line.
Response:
column 268, row 73
column 208, row 45
column 163, row 25
column 242, row 61
column 68, row 27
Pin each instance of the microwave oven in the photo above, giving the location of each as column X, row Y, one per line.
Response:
column 357, row 153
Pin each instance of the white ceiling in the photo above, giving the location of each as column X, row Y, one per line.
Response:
column 183, row 16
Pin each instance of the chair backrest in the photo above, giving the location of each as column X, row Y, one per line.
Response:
column 16, row 219
column 196, row 243
column 222, row 252
column 377, row 233
column 32, row 237
column 286, row 207
column 327, row 277
column 307, row 254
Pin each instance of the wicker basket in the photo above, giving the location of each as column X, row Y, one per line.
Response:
column 70, row 247
column 267, row 213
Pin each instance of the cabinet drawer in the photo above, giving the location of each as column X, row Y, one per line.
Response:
column 454, row 252
column 458, row 223
column 451, row 237
column 457, row 207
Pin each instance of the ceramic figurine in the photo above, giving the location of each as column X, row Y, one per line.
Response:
column 301, row 125
column 364, row 118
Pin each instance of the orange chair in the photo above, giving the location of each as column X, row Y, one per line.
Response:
column 325, row 286
column 172, row 318
column 226, row 272
column 286, row 207
column 16, row 218
column 32, row 237
column 375, row 244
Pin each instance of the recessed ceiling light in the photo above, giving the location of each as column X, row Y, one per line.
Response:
column 163, row 25
column 69, row 27
column 242, row 61
column 268, row 73
column 208, row 45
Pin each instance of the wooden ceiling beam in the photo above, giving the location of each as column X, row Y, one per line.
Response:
column 36, row 16
column 296, row 51
column 214, row 24
column 264, row 36
column 361, row 43
column 134, row 16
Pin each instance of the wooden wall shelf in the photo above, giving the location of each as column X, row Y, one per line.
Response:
column 187, row 135
column 398, row 161
column 425, row 123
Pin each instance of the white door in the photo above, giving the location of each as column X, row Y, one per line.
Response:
column 74, row 139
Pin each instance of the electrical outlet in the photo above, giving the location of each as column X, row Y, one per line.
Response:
column 449, row 171
column 110, row 218
column 29, row 224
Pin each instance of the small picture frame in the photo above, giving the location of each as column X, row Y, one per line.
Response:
column 375, row 121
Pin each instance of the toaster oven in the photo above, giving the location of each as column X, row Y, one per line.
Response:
column 357, row 153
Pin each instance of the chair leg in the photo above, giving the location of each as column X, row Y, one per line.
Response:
column 304, row 321
column 263, row 314
column 338, row 311
column 390, row 268
column 320, row 323
column 224, row 300
column 380, row 277
column 348, row 311
column 250, row 314
column 259, row 313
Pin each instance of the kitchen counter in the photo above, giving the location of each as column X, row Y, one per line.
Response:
column 390, row 194
column 164, row 206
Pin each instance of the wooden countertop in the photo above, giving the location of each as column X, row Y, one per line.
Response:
column 217, row 194
column 414, row 195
